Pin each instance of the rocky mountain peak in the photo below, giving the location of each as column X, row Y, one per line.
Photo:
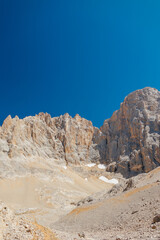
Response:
column 128, row 142
column 63, row 139
column 133, row 132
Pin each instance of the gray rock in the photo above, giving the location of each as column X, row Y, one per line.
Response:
column 156, row 218
column 129, row 185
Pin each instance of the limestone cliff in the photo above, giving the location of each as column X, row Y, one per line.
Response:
column 128, row 142
column 133, row 134
column 61, row 140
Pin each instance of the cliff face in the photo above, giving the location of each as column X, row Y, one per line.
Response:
column 62, row 140
column 128, row 142
column 133, row 134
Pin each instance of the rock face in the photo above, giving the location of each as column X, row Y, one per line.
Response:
column 133, row 134
column 128, row 142
column 63, row 139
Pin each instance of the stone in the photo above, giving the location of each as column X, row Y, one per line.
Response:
column 156, row 218
column 129, row 185
column 134, row 212
column 81, row 235
column 89, row 199
column 153, row 227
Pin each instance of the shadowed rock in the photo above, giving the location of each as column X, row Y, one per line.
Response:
column 133, row 133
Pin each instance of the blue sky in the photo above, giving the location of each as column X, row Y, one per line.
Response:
column 76, row 56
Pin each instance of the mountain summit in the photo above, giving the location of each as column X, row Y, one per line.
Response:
column 133, row 133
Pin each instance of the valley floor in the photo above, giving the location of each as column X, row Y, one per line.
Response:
column 84, row 209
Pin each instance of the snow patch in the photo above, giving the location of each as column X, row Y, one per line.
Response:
column 112, row 181
column 101, row 166
column 90, row 165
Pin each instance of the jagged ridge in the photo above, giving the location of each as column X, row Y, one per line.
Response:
column 128, row 142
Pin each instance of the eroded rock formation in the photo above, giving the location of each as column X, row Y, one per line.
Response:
column 63, row 139
column 128, row 142
column 133, row 134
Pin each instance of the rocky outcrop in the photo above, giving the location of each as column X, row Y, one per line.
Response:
column 62, row 140
column 133, row 134
column 20, row 227
column 128, row 142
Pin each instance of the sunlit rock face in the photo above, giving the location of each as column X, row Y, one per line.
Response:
column 57, row 140
column 133, row 134
column 128, row 142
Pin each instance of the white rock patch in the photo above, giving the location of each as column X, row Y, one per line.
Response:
column 90, row 165
column 112, row 181
column 101, row 166
column 65, row 167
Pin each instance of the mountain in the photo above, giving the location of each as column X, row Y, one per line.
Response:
column 128, row 142
column 44, row 165
column 65, row 174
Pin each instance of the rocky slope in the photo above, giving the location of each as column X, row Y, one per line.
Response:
column 127, row 211
column 47, row 170
column 18, row 227
column 43, row 164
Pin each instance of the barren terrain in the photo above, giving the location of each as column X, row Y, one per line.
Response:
column 62, row 178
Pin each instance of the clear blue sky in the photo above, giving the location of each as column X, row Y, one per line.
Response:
column 76, row 56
